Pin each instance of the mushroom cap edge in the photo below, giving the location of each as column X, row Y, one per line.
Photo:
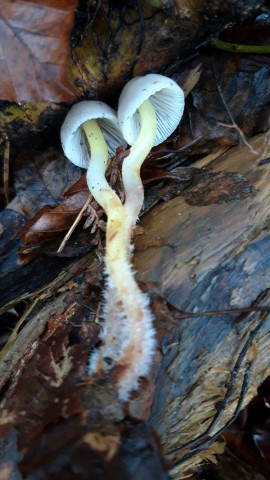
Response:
column 73, row 140
column 165, row 95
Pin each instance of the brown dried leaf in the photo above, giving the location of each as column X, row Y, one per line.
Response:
column 34, row 46
column 49, row 220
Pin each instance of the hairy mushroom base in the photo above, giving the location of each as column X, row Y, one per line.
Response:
column 128, row 336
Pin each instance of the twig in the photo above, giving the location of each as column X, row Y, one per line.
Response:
column 74, row 225
column 239, row 48
column 234, row 125
column 241, row 135
column 211, row 313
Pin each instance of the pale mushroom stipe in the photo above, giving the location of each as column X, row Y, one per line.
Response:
column 128, row 334
column 150, row 108
column 84, row 144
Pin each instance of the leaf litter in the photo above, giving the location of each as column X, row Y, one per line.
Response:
column 53, row 368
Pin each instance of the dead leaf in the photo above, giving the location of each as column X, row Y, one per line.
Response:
column 34, row 46
column 151, row 173
column 49, row 221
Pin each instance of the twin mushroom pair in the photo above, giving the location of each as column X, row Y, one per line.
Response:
column 150, row 108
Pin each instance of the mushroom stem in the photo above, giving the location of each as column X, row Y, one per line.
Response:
column 126, row 305
column 129, row 323
column 132, row 164
column 103, row 193
column 96, row 180
column 116, row 249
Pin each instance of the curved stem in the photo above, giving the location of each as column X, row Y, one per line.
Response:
column 101, row 190
column 96, row 180
column 130, row 347
column 239, row 48
column 132, row 164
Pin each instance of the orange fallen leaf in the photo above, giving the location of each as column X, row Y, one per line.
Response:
column 34, row 50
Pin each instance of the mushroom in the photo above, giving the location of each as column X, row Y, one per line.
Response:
column 150, row 108
column 89, row 135
column 128, row 321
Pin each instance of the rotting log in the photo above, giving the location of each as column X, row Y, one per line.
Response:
column 191, row 259
column 213, row 258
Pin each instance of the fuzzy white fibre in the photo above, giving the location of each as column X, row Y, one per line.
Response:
column 128, row 335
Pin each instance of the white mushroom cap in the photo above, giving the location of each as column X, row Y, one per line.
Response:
column 166, row 97
column 73, row 138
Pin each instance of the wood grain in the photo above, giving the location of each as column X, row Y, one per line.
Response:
column 213, row 258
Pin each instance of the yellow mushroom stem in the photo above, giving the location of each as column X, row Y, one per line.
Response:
column 132, row 165
column 103, row 193
column 135, row 351
column 96, row 180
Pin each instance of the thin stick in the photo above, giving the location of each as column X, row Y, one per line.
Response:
column 74, row 225
column 182, row 315
column 241, row 135
column 234, row 124
column 239, row 48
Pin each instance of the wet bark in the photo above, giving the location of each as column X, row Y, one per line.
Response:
column 191, row 259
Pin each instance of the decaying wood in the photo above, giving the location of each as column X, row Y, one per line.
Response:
column 191, row 259
column 213, row 258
